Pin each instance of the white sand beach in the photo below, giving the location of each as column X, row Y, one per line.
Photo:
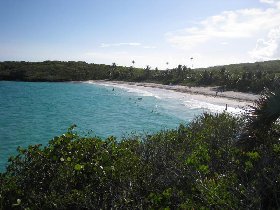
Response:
column 234, row 101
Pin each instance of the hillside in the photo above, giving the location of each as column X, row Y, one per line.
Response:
column 246, row 77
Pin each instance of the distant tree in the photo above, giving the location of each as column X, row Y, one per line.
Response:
column 191, row 61
column 148, row 68
column 130, row 72
column 113, row 70
column 147, row 71
column 179, row 69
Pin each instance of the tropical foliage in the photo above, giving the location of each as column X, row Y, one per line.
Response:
column 261, row 119
column 216, row 162
column 241, row 77
column 201, row 165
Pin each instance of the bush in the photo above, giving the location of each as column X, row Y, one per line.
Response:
column 197, row 166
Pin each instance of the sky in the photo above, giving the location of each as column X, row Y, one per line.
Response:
column 150, row 32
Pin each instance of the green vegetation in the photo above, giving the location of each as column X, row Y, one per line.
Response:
column 216, row 162
column 248, row 77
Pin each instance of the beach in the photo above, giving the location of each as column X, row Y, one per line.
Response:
column 230, row 100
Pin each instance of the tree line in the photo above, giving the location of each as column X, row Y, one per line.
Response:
column 248, row 77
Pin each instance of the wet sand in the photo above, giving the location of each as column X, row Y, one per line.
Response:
column 209, row 94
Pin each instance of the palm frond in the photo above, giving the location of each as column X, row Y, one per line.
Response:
column 265, row 111
column 260, row 119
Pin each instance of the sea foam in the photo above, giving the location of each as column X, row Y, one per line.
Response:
column 190, row 101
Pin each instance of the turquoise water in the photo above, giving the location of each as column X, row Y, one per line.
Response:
column 33, row 113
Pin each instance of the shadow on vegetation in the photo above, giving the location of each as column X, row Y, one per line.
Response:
column 218, row 161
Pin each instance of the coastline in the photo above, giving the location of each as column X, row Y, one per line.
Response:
column 232, row 101
column 206, row 91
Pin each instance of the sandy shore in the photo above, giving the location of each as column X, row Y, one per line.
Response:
column 207, row 91
column 209, row 94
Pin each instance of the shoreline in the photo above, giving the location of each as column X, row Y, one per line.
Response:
column 231, row 101
column 205, row 91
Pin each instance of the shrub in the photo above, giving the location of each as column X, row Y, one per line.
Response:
column 197, row 166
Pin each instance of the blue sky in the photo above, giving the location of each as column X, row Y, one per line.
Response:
column 151, row 32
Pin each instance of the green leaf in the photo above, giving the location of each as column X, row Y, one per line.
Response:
column 78, row 167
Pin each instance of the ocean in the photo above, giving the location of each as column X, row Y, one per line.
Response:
column 33, row 113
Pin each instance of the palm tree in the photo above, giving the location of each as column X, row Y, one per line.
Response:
column 133, row 62
column 260, row 119
column 192, row 61
column 148, row 68
column 266, row 110
column 113, row 68
column 147, row 71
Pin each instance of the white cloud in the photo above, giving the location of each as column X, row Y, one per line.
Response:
column 268, row 48
column 275, row 3
column 244, row 35
column 123, row 44
column 149, row 47
column 120, row 44
column 267, row 1
column 224, row 43
column 239, row 24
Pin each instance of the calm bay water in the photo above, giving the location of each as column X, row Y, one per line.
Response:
column 33, row 113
